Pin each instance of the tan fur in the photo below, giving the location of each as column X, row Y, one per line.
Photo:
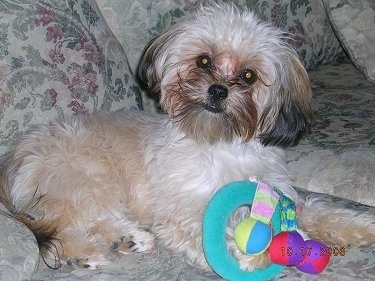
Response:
column 336, row 225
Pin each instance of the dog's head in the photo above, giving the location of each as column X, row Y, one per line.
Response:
column 224, row 75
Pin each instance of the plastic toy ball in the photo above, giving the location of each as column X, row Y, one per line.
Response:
column 287, row 248
column 252, row 236
column 315, row 260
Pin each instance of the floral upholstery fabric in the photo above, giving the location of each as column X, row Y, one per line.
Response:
column 338, row 157
column 353, row 22
column 135, row 22
column 58, row 58
column 19, row 253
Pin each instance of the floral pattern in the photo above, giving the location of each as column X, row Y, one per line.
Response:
column 134, row 23
column 58, row 58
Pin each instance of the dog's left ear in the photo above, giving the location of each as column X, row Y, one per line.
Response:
column 287, row 116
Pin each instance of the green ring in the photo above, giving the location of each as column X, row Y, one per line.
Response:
column 222, row 205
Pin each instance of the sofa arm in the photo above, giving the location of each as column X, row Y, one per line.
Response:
column 19, row 253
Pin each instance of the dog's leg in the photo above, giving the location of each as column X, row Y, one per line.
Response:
column 134, row 240
column 92, row 248
column 335, row 224
column 183, row 236
column 82, row 250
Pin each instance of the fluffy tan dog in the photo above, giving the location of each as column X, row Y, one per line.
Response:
column 234, row 92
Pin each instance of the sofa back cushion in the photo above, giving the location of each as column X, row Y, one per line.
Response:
column 58, row 58
column 354, row 22
column 134, row 23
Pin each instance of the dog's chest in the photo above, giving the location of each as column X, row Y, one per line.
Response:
column 203, row 169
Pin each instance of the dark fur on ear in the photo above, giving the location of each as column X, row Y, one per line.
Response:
column 152, row 62
column 146, row 73
column 291, row 125
column 288, row 114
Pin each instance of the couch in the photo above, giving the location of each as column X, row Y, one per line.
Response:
column 66, row 57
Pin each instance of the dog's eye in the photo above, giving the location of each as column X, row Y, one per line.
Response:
column 204, row 61
column 248, row 75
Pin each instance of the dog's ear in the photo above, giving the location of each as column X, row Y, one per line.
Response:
column 146, row 72
column 287, row 116
column 153, row 59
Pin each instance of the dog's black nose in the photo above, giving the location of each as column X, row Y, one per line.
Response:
column 218, row 92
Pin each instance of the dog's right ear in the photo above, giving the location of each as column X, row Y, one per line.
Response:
column 146, row 72
column 153, row 60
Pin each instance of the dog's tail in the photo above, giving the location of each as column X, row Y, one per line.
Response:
column 338, row 223
column 45, row 234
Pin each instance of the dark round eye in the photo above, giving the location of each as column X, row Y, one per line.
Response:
column 248, row 75
column 204, row 61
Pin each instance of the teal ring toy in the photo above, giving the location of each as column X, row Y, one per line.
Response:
column 222, row 205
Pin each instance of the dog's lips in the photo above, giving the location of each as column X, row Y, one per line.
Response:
column 213, row 108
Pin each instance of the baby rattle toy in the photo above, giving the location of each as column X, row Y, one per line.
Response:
column 270, row 227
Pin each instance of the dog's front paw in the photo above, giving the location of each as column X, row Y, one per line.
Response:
column 249, row 262
column 140, row 241
column 93, row 262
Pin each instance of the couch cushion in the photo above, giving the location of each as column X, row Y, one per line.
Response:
column 354, row 22
column 19, row 253
column 136, row 22
column 338, row 157
column 58, row 58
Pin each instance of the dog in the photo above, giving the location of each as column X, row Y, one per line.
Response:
column 234, row 95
